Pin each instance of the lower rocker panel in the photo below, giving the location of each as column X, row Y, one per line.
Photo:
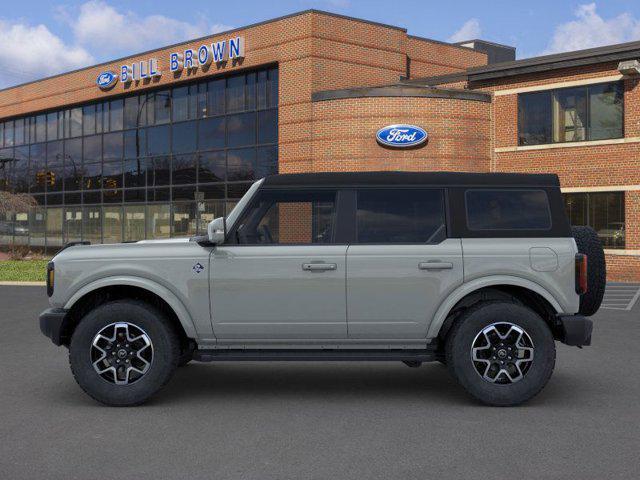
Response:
column 316, row 355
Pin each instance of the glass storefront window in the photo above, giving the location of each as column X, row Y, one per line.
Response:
column 142, row 153
column 134, row 223
column 37, row 226
column 184, row 137
column 112, row 226
column 212, row 167
column 184, row 219
column 72, row 228
column 92, row 224
column 158, row 221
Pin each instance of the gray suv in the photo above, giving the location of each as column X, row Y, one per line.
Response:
column 480, row 272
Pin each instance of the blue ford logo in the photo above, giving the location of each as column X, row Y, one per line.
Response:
column 401, row 136
column 106, row 80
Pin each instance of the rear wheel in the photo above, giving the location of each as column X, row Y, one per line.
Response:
column 123, row 352
column 502, row 353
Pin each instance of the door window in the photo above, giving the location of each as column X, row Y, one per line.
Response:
column 400, row 216
column 285, row 217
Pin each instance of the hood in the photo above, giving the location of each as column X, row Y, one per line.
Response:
column 166, row 240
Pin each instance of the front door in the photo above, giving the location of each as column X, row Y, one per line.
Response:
column 401, row 264
column 281, row 274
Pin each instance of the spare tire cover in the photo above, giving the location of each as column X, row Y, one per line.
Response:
column 588, row 243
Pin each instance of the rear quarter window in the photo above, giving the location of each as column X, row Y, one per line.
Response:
column 507, row 209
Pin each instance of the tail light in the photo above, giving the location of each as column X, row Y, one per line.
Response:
column 50, row 278
column 581, row 273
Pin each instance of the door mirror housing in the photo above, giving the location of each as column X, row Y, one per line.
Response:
column 217, row 230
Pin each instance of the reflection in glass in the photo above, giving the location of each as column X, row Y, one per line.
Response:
column 184, row 137
column 241, row 129
column 184, row 219
column 212, row 167
column 211, row 134
column 72, row 228
column 112, row 228
column 158, row 221
column 134, row 223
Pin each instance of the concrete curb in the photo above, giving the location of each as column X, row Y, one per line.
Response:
column 23, row 284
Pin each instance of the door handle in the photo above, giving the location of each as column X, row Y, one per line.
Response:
column 318, row 267
column 435, row 265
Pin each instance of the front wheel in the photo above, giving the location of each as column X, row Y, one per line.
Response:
column 502, row 353
column 123, row 352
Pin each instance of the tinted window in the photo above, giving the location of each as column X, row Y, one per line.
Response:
column 591, row 112
column 284, row 217
column 400, row 216
column 602, row 211
column 508, row 210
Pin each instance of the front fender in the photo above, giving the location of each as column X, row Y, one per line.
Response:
column 146, row 284
column 495, row 280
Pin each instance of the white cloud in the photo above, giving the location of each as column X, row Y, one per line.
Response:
column 591, row 30
column 469, row 31
column 108, row 31
column 99, row 32
column 29, row 52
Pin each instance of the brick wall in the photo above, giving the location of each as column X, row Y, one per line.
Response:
column 429, row 58
column 613, row 164
column 344, row 134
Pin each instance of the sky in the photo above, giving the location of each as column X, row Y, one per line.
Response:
column 39, row 38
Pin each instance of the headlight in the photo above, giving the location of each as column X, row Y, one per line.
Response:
column 50, row 278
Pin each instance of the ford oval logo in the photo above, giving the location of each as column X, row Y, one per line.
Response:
column 401, row 136
column 106, row 80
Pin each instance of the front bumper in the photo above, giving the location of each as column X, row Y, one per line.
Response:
column 575, row 330
column 52, row 324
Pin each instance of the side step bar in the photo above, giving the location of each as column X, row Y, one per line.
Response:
column 266, row 355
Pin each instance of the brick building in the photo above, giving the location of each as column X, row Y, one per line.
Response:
column 159, row 143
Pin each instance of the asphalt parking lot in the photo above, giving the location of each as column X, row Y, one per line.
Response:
column 317, row 421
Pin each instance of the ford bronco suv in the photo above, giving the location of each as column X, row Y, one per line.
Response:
column 481, row 272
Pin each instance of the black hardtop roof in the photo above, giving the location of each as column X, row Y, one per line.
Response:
column 413, row 178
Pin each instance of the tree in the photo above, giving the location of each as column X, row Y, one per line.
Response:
column 15, row 202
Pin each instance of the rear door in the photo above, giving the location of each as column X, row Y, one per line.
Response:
column 401, row 264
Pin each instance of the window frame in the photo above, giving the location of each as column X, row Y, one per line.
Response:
column 552, row 92
column 338, row 231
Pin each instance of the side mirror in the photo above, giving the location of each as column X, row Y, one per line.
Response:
column 216, row 230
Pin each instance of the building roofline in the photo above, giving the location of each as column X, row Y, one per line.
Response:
column 556, row 61
column 440, row 42
column 400, row 90
column 436, row 79
column 226, row 32
column 496, row 44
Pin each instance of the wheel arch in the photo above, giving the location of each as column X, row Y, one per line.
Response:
column 499, row 287
column 113, row 288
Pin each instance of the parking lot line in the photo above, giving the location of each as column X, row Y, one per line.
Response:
column 620, row 296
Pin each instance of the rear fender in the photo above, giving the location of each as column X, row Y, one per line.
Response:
column 467, row 288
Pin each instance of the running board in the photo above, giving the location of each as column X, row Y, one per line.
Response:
column 266, row 355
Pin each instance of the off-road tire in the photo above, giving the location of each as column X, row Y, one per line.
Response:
column 588, row 243
column 460, row 339
column 166, row 352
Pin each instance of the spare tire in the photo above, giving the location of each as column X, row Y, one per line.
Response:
column 588, row 243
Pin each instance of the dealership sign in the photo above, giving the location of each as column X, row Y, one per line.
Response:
column 106, row 80
column 401, row 136
column 189, row 59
